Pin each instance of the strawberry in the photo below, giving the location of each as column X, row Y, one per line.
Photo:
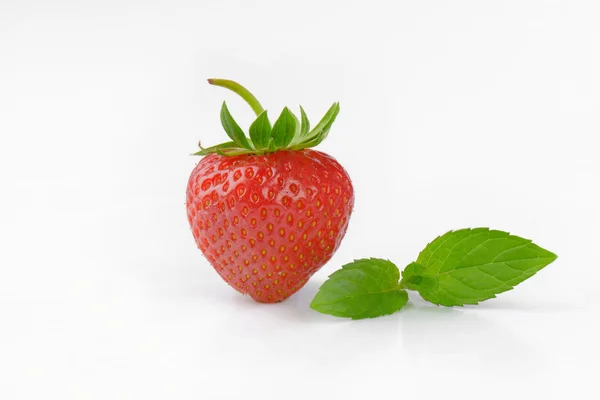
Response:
column 266, row 210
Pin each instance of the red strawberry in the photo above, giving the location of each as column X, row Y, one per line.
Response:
column 268, row 212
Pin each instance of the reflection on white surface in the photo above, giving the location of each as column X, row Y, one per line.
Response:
column 429, row 331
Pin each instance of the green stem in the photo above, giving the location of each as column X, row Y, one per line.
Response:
column 241, row 91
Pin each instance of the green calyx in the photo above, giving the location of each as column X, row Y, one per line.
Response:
column 287, row 133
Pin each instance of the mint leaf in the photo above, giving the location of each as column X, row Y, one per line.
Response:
column 260, row 131
column 232, row 129
column 365, row 288
column 472, row 265
column 284, row 129
column 413, row 279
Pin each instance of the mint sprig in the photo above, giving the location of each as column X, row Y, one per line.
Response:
column 466, row 266
column 365, row 288
column 287, row 133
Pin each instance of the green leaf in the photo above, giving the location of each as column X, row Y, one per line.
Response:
column 305, row 127
column 365, row 288
column 325, row 124
column 260, row 131
column 284, row 129
column 332, row 113
column 472, row 265
column 319, row 132
column 298, row 126
column 232, row 129
column 413, row 279
column 214, row 149
column 288, row 133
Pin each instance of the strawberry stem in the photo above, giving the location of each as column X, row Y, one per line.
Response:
column 241, row 91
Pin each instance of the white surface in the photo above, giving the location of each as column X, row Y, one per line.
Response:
column 485, row 112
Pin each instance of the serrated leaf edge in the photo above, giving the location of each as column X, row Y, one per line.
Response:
column 528, row 242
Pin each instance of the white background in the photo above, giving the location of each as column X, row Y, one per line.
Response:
column 453, row 114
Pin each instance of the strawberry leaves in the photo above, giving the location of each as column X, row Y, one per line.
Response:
column 284, row 129
column 220, row 148
column 232, row 129
column 305, row 124
column 466, row 266
column 260, row 131
column 319, row 132
column 287, row 133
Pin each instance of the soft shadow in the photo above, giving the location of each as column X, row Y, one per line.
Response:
column 420, row 331
column 294, row 309
column 333, row 341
